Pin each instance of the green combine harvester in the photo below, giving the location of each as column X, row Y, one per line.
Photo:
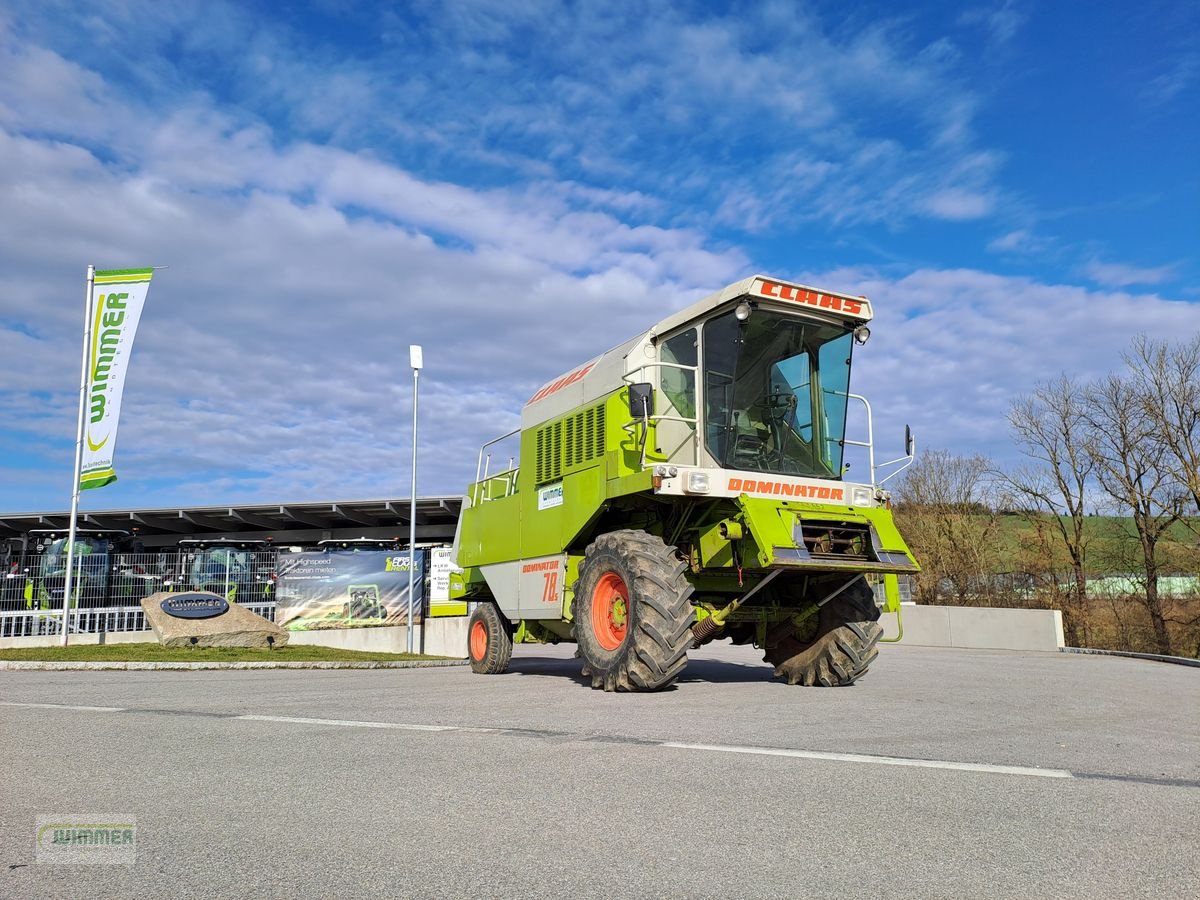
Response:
column 686, row 486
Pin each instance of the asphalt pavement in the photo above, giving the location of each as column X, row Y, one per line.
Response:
column 944, row 773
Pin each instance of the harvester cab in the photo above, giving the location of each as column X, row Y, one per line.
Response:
column 243, row 571
column 687, row 485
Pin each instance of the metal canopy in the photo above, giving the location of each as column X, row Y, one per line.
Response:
column 436, row 519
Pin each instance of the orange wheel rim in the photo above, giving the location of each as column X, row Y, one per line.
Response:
column 610, row 610
column 479, row 641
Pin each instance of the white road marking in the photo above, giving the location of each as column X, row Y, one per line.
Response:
column 878, row 760
column 63, row 706
column 675, row 745
column 348, row 723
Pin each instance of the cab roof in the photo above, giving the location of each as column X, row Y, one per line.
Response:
column 605, row 372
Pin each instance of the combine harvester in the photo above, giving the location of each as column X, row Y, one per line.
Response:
column 686, row 486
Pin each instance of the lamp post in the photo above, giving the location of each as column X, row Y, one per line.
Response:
column 414, row 360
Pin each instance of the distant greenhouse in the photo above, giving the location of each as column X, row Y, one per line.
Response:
column 1111, row 586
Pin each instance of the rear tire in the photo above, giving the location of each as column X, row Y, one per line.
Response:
column 839, row 652
column 489, row 641
column 631, row 612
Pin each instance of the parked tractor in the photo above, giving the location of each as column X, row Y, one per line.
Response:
column 237, row 570
column 109, row 570
column 685, row 486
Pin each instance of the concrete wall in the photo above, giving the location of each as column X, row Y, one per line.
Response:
column 927, row 626
column 79, row 640
column 978, row 628
column 442, row 637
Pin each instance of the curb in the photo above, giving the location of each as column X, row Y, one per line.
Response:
column 114, row 666
column 1153, row 657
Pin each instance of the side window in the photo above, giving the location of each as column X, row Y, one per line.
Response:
column 790, row 394
column 834, row 378
column 722, row 340
column 679, row 385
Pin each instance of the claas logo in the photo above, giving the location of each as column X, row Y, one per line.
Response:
column 561, row 383
column 810, row 298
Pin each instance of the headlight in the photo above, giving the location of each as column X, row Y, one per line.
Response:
column 862, row 496
column 697, row 483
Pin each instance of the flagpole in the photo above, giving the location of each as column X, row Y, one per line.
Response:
column 83, row 382
column 415, row 359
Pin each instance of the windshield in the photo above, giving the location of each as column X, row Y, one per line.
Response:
column 221, row 563
column 775, row 393
column 90, row 553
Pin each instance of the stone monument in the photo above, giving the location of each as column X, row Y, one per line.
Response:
column 205, row 619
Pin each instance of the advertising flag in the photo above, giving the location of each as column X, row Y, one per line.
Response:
column 117, row 300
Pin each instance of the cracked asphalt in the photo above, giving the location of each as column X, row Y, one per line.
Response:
column 438, row 782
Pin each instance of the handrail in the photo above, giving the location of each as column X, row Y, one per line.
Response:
column 479, row 492
column 479, row 465
column 870, row 442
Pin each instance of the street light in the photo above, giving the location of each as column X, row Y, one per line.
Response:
column 415, row 360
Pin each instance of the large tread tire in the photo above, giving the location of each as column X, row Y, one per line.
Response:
column 489, row 641
column 647, row 649
column 839, row 652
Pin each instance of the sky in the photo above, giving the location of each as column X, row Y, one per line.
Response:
column 518, row 185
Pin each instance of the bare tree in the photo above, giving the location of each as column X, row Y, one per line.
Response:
column 943, row 510
column 1050, row 426
column 1133, row 464
column 1168, row 380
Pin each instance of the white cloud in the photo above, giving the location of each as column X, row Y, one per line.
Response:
column 681, row 108
column 958, row 205
column 1018, row 241
column 271, row 360
column 951, row 348
column 1180, row 75
column 1002, row 22
column 1123, row 275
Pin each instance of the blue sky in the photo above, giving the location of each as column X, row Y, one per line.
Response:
column 518, row 185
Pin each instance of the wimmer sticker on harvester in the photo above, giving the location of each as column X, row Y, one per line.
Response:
column 688, row 486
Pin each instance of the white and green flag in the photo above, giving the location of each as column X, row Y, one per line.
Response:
column 117, row 300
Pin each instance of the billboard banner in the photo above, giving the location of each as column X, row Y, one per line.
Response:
column 346, row 589
column 117, row 299
column 441, row 564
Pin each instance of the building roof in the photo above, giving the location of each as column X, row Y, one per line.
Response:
column 338, row 519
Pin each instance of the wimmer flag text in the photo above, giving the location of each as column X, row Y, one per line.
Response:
column 117, row 300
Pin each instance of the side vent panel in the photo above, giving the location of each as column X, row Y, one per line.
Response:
column 569, row 443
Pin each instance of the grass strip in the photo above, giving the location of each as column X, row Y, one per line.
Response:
column 157, row 653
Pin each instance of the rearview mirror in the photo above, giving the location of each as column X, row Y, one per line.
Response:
column 641, row 401
column 908, row 441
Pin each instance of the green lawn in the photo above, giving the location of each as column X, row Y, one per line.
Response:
column 156, row 653
column 1104, row 534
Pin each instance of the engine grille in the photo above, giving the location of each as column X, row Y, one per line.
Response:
column 835, row 540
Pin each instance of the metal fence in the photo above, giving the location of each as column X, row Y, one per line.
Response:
column 110, row 620
column 903, row 582
column 107, row 580
column 108, row 586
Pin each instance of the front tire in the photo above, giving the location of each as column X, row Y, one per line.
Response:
column 840, row 650
column 489, row 641
column 631, row 612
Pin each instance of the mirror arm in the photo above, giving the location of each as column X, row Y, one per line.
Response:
column 910, row 455
column 645, row 434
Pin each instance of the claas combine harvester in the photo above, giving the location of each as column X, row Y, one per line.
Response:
column 685, row 486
